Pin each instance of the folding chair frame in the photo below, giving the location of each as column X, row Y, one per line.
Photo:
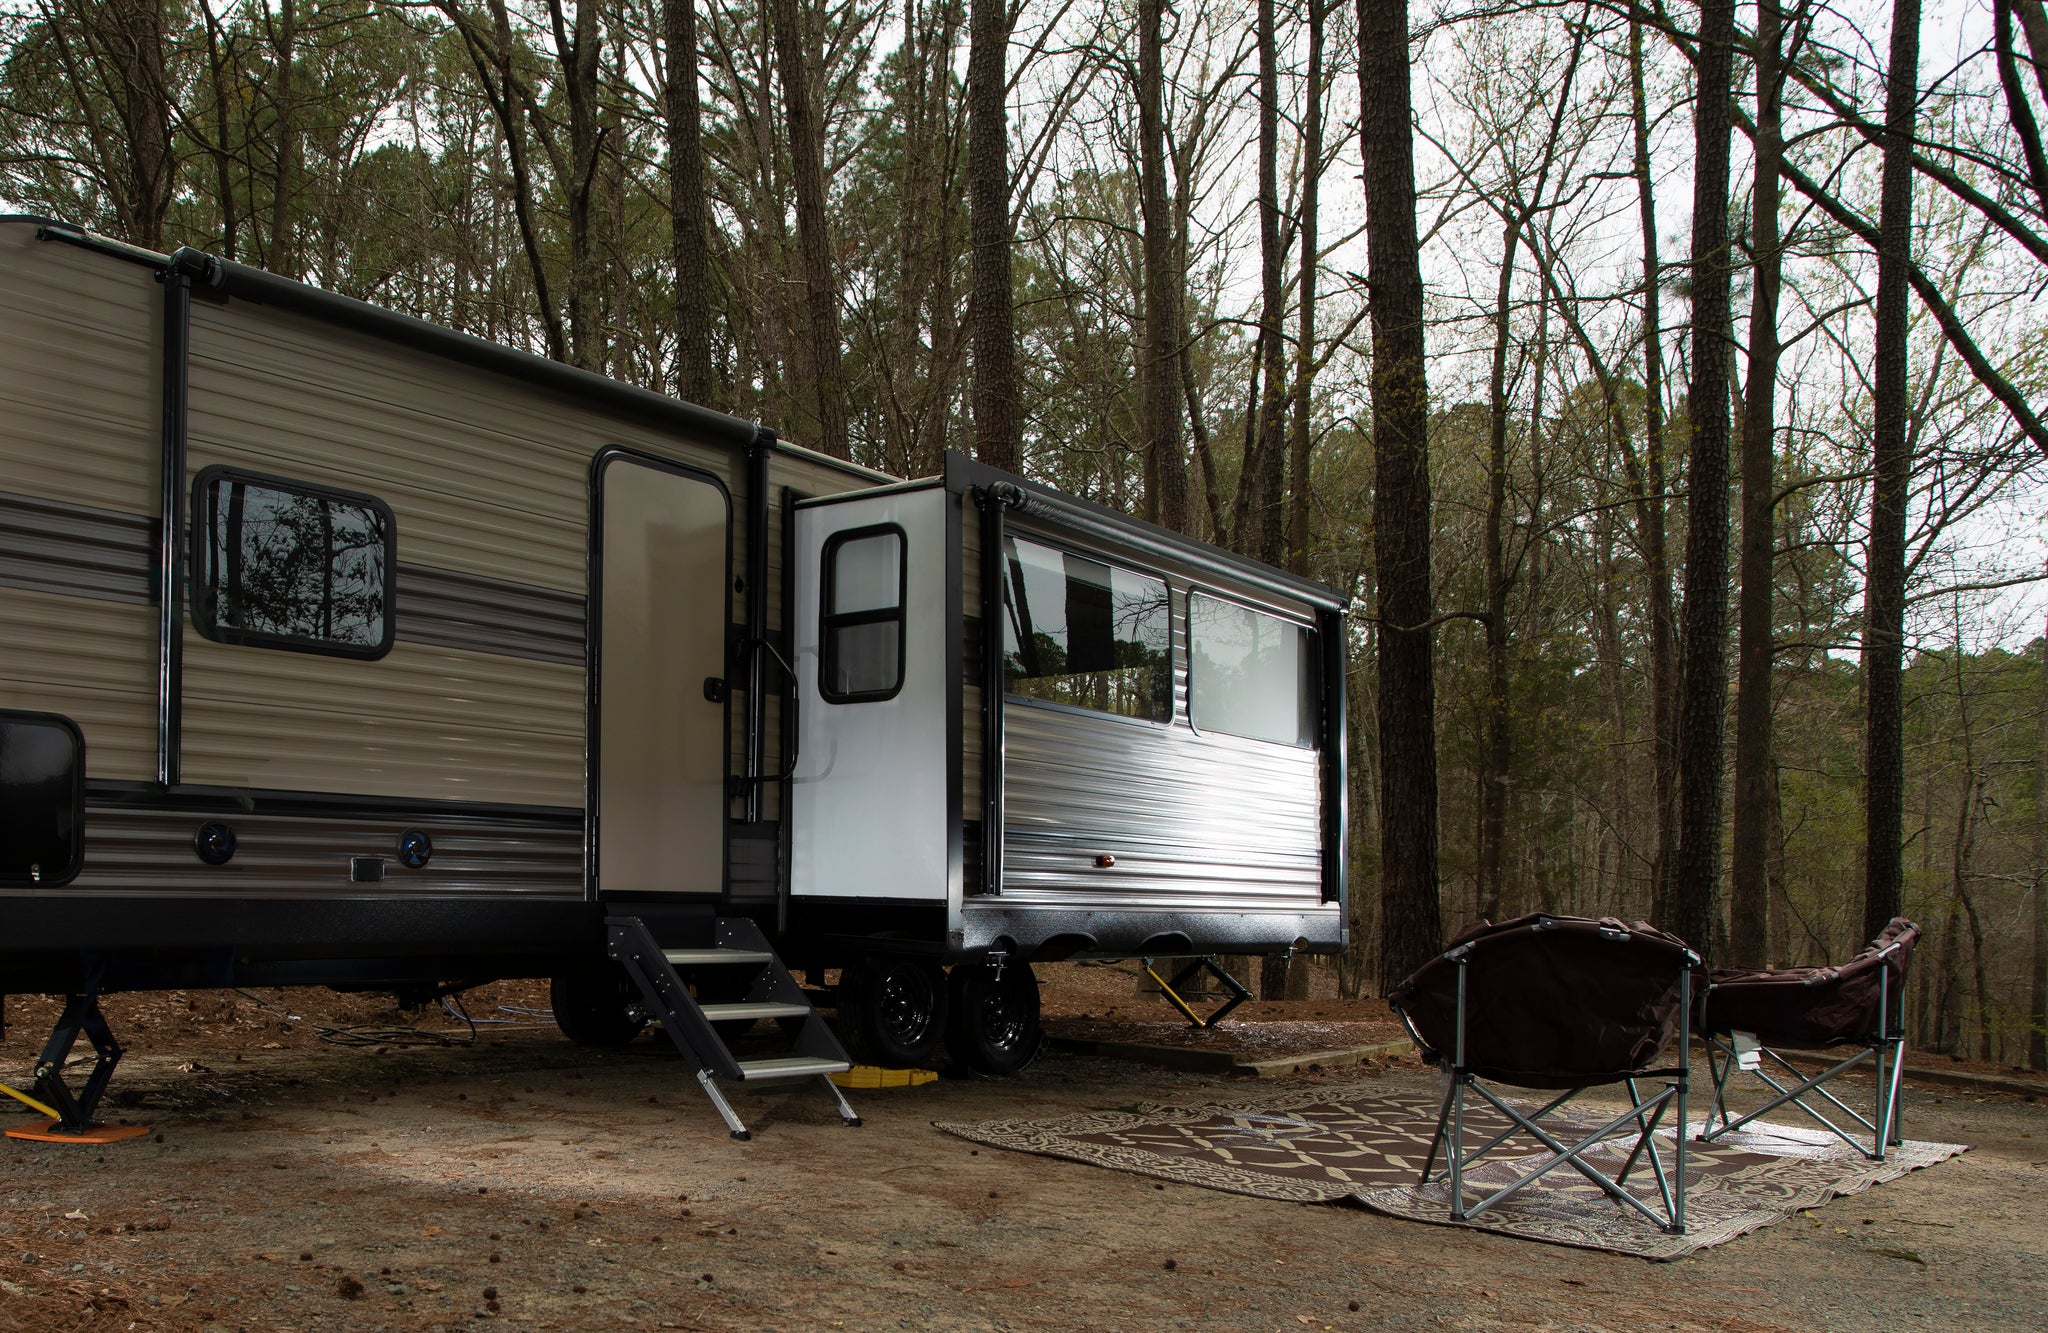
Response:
column 1647, row 1115
column 1887, row 1046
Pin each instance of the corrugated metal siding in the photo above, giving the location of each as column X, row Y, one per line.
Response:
column 489, row 615
column 91, row 659
column 421, row 722
column 1193, row 821
column 485, row 478
column 151, row 852
column 63, row 548
column 81, row 412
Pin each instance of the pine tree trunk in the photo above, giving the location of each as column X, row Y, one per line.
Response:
column 689, row 218
column 1264, row 537
column 1302, row 429
column 1495, row 745
column 1780, row 954
column 1749, row 887
column 998, row 434
column 1651, row 512
column 1411, row 915
column 795, row 58
column 1166, row 477
column 2037, row 1006
column 1892, row 473
column 134, row 31
column 1703, row 693
column 576, row 43
column 284, row 141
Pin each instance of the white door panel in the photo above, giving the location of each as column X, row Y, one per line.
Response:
column 869, row 794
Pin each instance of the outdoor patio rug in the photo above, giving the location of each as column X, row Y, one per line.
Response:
column 1363, row 1145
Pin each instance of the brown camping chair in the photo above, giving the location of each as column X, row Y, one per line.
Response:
column 1561, row 1004
column 1750, row 1016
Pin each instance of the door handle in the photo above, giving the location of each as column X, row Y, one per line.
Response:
column 715, row 689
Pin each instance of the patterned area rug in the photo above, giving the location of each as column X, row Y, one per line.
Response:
column 1364, row 1145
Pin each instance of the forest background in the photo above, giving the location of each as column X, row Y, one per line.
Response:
column 1671, row 412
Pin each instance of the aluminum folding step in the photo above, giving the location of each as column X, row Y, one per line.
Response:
column 719, row 1013
column 738, row 964
column 791, row 1066
column 717, row 957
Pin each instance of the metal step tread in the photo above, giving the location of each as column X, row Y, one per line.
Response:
column 754, row 1009
column 792, row 1066
column 713, row 957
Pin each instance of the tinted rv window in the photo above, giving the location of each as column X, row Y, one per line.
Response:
column 1081, row 632
column 1249, row 673
column 283, row 564
column 863, row 616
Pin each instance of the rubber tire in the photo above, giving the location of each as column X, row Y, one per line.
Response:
column 597, row 1006
column 995, row 1027
column 892, row 1011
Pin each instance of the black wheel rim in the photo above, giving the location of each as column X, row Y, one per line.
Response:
column 905, row 1004
column 1003, row 1018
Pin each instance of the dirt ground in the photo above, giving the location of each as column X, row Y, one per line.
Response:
column 292, row 1183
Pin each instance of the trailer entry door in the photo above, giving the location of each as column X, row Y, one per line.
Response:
column 660, row 598
column 869, row 799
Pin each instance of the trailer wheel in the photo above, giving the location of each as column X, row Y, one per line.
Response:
column 994, row 1028
column 893, row 1011
column 597, row 1006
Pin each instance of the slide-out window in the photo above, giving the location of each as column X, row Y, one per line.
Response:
column 1249, row 673
column 1081, row 632
column 863, row 615
column 288, row 564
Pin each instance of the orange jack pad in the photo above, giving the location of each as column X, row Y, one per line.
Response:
column 48, row 1131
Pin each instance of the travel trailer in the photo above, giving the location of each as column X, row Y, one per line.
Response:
column 338, row 648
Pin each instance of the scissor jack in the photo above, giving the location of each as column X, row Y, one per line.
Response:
column 1171, row 990
column 71, row 1114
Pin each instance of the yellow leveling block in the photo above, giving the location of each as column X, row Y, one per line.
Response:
column 869, row 1076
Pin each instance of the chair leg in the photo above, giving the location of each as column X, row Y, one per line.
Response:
column 1644, row 1140
column 1443, row 1115
column 1890, row 1134
column 1569, row 1156
column 1456, row 1147
column 1721, row 1066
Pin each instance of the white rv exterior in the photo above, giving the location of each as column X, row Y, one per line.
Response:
column 400, row 658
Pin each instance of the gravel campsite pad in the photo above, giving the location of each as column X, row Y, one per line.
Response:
column 291, row 1183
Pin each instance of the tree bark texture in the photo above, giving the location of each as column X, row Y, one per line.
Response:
column 1301, row 436
column 2019, row 112
column 1496, row 741
column 689, row 217
column 1749, row 886
column 577, row 47
column 1703, row 694
column 284, row 49
column 1261, row 533
column 1166, row 476
column 125, row 40
column 1892, row 474
column 1411, row 916
column 2037, row 1007
column 998, row 428
column 1651, row 511
column 793, row 21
